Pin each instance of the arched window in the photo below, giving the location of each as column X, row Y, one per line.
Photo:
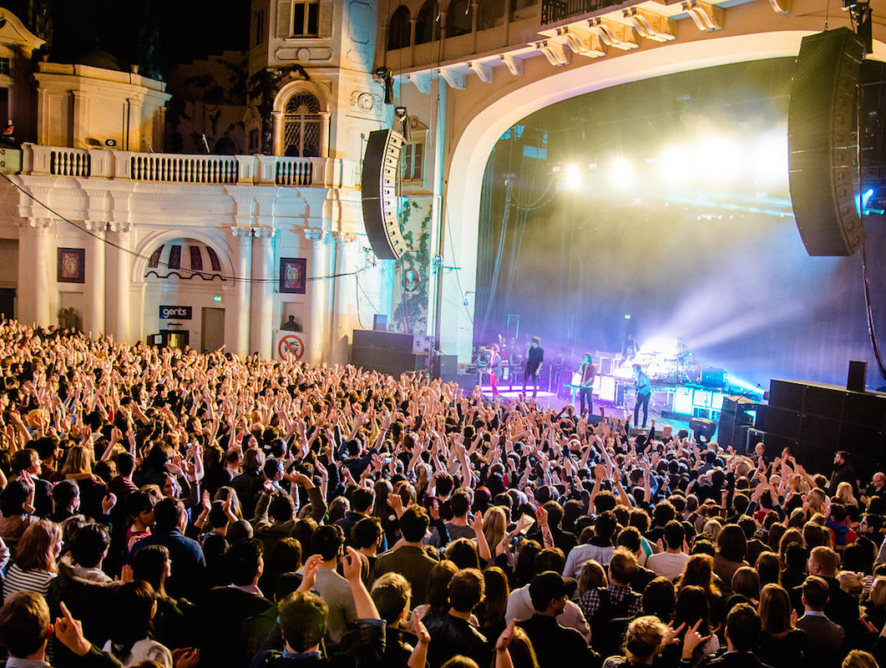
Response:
column 398, row 29
column 301, row 126
column 424, row 25
column 458, row 18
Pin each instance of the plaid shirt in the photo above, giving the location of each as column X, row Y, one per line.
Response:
column 590, row 602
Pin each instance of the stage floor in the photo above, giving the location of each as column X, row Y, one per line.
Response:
column 551, row 400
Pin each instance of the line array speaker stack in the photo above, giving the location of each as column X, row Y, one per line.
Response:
column 823, row 143
column 816, row 420
column 381, row 165
column 385, row 352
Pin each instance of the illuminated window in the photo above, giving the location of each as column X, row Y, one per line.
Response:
column 5, row 66
column 305, row 18
column 413, row 160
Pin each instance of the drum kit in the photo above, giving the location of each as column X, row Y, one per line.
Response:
column 664, row 366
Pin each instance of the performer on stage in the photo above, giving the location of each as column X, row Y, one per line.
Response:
column 644, row 391
column 494, row 368
column 535, row 355
column 630, row 348
column 586, row 385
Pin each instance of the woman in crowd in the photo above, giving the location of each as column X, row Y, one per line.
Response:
column 782, row 644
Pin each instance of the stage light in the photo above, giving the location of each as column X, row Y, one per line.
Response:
column 675, row 164
column 732, row 381
column 719, row 160
column 573, row 177
column 627, row 316
column 622, row 174
column 768, row 160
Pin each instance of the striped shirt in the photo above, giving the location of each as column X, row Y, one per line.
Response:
column 21, row 580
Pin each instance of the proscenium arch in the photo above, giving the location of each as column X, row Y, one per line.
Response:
column 153, row 240
column 473, row 139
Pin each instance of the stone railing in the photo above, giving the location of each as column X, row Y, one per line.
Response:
column 243, row 170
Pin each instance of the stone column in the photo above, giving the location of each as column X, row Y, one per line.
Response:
column 324, row 134
column 36, row 272
column 134, row 122
column 94, row 318
column 345, row 295
column 316, row 289
column 122, row 279
column 261, row 338
column 243, row 235
column 277, row 136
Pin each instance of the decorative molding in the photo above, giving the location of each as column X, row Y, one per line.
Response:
column 365, row 101
column 514, row 65
column 303, row 54
column 421, row 81
column 582, row 43
column 120, row 227
column 653, row 26
column 482, row 70
column 38, row 224
column 707, row 18
column 453, row 78
column 316, row 236
column 95, row 226
column 781, row 6
column 556, row 54
column 616, row 35
column 264, row 233
column 242, row 232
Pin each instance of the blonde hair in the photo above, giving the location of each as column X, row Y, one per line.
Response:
column 495, row 526
column 78, row 460
column 878, row 592
column 852, row 583
column 858, row 659
column 844, row 494
column 643, row 638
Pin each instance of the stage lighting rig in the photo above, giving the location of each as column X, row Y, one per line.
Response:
column 402, row 116
column 385, row 76
column 860, row 11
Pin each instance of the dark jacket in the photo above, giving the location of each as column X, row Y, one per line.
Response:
column 733, row 660
column 188, row 565
column 825, row 641
column 451, row 636
column 556, row 646
column 413, row 563
column 232, row 626
column 366, row 652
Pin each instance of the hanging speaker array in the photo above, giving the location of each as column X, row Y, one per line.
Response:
column 381, row 165
column 823, row 142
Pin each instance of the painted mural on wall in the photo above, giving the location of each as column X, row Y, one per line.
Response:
column 411, row 272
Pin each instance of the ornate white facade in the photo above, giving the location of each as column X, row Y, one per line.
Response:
column 91, row 227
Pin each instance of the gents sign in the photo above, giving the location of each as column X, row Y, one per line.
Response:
column 177, row 312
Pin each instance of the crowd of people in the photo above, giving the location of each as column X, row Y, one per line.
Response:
column 167, row 508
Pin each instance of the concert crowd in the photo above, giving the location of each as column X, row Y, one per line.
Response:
column 167, row 508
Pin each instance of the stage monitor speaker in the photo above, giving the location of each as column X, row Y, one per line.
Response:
column 703, row 429
column 858, row 371
column 445, row 367
column 381, row 166
column 822, row 143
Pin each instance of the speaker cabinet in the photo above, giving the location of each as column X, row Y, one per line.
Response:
column 381, row 165
column 822, row 142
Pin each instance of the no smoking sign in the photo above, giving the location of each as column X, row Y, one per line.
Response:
column 291, row 345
